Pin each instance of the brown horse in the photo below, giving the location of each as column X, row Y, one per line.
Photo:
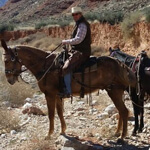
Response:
column 110, row 75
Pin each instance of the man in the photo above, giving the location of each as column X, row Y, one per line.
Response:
column 80, row 47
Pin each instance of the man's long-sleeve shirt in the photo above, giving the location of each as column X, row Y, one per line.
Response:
column 81, row 33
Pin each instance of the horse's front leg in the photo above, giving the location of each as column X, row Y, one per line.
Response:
column 59, row 106
column 51, row 104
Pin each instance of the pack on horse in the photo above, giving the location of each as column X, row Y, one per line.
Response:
column 110, row 75
column 140, row 65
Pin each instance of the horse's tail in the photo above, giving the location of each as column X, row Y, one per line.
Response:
column 127, row 75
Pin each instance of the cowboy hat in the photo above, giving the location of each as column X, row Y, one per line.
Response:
column 76, row 10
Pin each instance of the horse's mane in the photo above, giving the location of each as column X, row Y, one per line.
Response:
column 120, row 63
column 33, row 50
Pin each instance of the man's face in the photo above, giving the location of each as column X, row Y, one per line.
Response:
column 76, row 16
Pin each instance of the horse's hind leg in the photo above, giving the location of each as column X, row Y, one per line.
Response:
column 59, row 107
column 136, row 110
column 116, row 96
column 141, row 111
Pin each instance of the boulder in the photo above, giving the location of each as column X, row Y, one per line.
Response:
column 33, row 110
column 111, row 109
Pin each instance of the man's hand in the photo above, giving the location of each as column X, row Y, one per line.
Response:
column 64, row 42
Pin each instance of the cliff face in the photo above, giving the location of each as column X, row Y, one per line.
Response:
column 103, row 35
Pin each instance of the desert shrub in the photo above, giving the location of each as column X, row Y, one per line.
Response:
column 63, row 23
column 98, row 51
column 110, row 17
column 14, row 95
column 40, row 25
column 8, row 121
column 38, row 144
column 127, row 26
column 92, row 16
column 6, row 27
column 146, row 12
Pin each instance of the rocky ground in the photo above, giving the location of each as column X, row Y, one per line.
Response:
column 88, row 128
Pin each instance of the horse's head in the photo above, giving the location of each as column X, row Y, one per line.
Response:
column 12, row 63
column 112, row 52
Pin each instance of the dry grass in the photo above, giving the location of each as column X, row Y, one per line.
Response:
column 38, row 40
column 8, row 121
column 14, row 95
column 38, row 144
column 128, row 23
column 98, row 51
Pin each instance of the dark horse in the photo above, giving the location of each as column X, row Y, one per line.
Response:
column 110, row 75
column 141, row 66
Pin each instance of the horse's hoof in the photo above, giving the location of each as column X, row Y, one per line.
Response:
column 117, row 134
column 133, row 133
column 62, row 133
column 48, row 137
column 140, row 131
column 120, row 141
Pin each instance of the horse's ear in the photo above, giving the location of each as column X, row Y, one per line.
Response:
column 3, row 43
column 110, row 49
column 118, row 48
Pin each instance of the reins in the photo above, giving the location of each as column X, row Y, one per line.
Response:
column 15, row 58
column 54, row 50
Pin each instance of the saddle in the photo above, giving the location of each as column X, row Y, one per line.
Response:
column 89, row 66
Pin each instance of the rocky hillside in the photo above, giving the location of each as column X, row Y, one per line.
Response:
column 29, row 12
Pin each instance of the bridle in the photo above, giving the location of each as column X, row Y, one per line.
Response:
column 15, row 60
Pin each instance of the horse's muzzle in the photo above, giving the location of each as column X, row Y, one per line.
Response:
column 12, row 82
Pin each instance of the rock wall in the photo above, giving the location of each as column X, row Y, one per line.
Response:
column 103, row 35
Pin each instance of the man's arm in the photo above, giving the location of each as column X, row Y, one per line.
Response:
column 81, row 33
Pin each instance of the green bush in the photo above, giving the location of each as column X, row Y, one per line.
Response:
column 63, row 23
column 128, row 23
column 110, row 17
column 6, row 27
column 40, row 25
column 146, row 12
column 52, row 22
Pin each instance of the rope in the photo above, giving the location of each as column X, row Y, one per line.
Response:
column 54, row 50
column 139, row 105
column 47, row 70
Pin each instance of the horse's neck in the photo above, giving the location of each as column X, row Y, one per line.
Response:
column 33, row 59
column 122, row 56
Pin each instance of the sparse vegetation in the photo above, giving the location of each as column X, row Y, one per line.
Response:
column 8, row 121
column 98, row 51
column 13, row 96
column 147, row 14
column 6, row 27
column 38, row 144
column 40, row 25
column 110, row 17
column 61, row 22
column 128, row 23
